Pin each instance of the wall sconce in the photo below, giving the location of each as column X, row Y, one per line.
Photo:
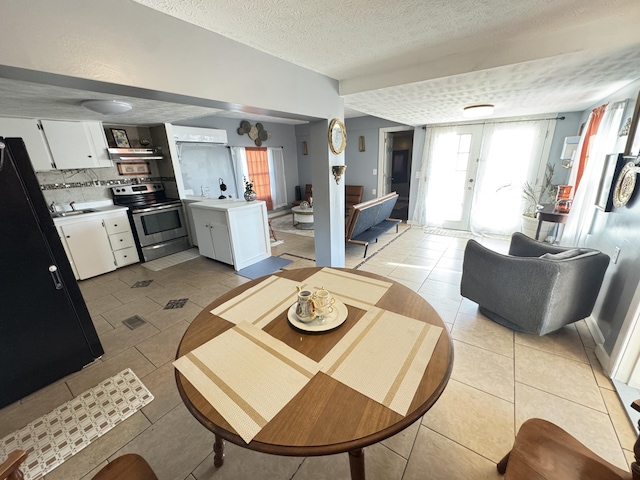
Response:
column 361, row 143
column 338, row 171
column 304, row 148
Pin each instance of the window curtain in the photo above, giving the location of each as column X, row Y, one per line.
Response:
column 240, row 170
column 277, row 177
column 258, row 166
column 511, row 155
column 430, row 194
column 602, row 144
column 587, row 138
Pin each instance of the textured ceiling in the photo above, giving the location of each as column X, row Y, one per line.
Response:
column 421, row 61
column 414, row 62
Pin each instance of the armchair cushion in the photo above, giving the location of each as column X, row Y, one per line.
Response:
column 531, row 294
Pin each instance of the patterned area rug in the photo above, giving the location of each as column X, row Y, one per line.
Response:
column 284, row 224
column 56, row 436
column 449, row 233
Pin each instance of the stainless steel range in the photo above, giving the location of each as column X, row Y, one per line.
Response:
column 158, row 222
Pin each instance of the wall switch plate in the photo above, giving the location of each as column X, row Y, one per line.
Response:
column 616, row 253
column 375, row 171
column 373, row 191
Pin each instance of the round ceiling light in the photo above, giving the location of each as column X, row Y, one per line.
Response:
column 107, row 107
column 477, row 111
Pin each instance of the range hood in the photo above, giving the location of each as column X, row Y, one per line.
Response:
column 133, row 154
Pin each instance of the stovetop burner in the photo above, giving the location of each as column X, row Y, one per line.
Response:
column 144, row 195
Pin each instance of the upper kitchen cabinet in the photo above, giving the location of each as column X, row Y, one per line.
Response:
column 29, row 130
column 76, row 144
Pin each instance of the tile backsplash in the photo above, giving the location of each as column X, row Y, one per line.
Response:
column 85, row 185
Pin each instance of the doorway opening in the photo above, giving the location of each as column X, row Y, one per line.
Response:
column 394, row 168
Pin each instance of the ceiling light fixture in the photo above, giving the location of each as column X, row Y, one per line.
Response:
column 107, row 107
column 476, row 111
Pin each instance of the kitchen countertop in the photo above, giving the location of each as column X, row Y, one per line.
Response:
column 96, row 212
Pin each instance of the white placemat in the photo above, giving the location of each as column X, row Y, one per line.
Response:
column 247, row 376
column 352, row 289
column 384, row 357
column 261, row 303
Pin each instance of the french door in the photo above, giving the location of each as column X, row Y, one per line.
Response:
column 454, row 153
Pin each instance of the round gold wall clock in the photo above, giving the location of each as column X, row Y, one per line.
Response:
column 337, row 136
column 625, row 185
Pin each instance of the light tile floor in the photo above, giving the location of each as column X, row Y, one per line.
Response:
column 499, row 378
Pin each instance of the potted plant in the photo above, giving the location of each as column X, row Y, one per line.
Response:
column 534, row 197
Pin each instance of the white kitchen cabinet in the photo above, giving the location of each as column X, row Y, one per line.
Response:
column 233, row 232
column 88, row 244
column 121, row 239
column 97, row 242
column 76, row 144
column 31, row 133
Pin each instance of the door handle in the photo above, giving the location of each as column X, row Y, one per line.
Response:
column 55, row 276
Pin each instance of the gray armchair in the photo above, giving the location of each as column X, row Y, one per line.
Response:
column 537, row 288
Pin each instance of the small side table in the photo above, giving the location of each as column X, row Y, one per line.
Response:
column 549, row 214
column 302, row 217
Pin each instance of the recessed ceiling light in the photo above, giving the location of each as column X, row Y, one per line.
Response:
column 107, row 107
column 476, row 111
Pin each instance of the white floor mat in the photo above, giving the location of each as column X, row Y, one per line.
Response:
column 56, row 436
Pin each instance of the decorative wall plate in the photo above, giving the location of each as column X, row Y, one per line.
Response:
column 625, row 185
column 337, row 136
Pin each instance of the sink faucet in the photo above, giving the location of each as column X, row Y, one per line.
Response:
column 52, row 206
column 73, row 206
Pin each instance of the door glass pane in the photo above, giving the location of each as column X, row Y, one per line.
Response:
column 449, row 175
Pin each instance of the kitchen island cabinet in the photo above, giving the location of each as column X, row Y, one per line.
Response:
column 97, row 242
column 235, row 232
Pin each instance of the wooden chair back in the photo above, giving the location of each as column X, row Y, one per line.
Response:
column 543, row 450
column 130, row 467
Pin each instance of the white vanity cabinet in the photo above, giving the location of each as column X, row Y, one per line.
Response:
column 232, row 232
column 76, row 144
column 30, row 131
column 97, row 242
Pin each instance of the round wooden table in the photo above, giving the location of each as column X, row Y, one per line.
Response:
column 326, row 416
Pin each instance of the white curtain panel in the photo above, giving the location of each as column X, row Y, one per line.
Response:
column 429, row 198
column 583, row 210
column 511, row 155
column 277, row 177
column 240, row 169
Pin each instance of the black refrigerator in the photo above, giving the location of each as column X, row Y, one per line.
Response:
column 45, row 328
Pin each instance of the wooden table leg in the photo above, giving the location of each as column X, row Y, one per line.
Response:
column 356, row 464
column 218, row 450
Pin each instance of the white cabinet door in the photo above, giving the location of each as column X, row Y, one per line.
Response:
column 221, row 243
column 89, row 246
column 203, row 232
column 72, row 144
column 28, row 129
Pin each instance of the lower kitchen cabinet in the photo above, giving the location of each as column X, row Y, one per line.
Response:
column 88, row 245
column 232, row 232
column 98, row 242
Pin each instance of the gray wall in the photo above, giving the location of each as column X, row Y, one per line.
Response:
column 360, row 165
column 281, row 136
column 618, row 228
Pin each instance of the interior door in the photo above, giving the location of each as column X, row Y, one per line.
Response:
column 387, row 177
column 454, row 161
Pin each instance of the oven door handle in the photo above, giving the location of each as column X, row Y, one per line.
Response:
column 153, row 209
